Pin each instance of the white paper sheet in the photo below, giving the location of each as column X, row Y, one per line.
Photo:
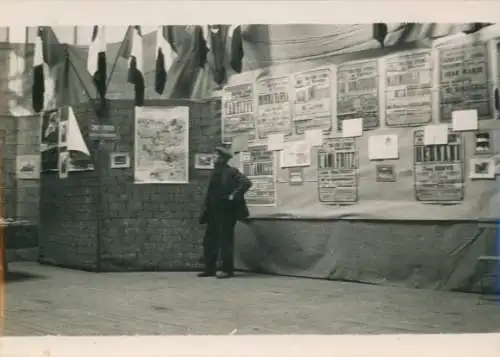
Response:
column 352, row 128
column 295, row 154
column 464, row 120
column 383, row 147
column 314, row 137
column 436, row 134
column 275, row 142
column 239, row 143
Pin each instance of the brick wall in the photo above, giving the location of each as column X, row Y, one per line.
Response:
column 129, row 227
column 67, row 229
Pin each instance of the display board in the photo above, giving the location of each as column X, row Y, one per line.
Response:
column 398, row 168
column 54, row 129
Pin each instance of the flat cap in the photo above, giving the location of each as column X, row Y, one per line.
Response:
column 224, row 151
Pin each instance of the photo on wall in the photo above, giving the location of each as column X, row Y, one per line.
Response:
column 482, row 169
column 204, row 161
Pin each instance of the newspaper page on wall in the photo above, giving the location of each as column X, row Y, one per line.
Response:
column 312, row 102
column 338, row 171
column 161, row 145
column 259, row 165
column 464, row 80
column 238, row 117
column 358, row 92
column 273, row 106
column 408, row 88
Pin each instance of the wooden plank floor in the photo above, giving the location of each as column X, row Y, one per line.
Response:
column 43, row 300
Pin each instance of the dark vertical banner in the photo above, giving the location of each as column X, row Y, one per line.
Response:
column 463, row 72
column 50, row 139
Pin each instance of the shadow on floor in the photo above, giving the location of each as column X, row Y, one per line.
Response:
column 18, row 276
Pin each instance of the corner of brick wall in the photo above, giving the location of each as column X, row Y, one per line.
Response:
column 131, row 227
column 154, row 227
column 68, row 219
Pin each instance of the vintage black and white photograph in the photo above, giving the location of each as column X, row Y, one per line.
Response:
column 482, row 168
column 204, row 161
column 120, row 160
column 361, row 232
column 385, row 173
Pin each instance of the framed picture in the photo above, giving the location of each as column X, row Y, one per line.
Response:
column 120, row 160
column 385, row 173
column 482, row 168
column 204, row 161
column 295, row 176
column 483, row 143
column 28, row 167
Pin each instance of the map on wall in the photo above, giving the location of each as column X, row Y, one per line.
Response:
column 463, row 72
column 312, row 102
column 258, row 164
column 273, row 106
column 439, row 169
column 358, row 93
column 161, row 145
column 238, row 116
column 338, row 171
column 408, row 88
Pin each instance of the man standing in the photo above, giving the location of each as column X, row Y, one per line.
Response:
column 224, row 205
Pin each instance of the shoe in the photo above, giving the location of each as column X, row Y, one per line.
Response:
column 224, row 275
column 205, row 274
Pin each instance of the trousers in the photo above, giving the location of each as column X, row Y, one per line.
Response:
column 219, row 239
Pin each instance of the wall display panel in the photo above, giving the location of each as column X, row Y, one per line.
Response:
column 463, row 80
column 358, row 92
column 408, row 88
column 312, row 103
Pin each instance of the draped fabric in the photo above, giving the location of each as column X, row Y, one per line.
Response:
column 263, row 46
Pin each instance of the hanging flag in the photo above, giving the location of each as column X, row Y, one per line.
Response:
column 217, row 47
column 96, row 61
column 200, row 46
column 165, row 56
column 48, row 53
column 75, row 140
column 380, row 31
column 135, row 66
column 38, row 89
column 235, row 48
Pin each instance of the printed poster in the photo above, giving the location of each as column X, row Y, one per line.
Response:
column 358, row 93
column 238, row 116
column 408, row 93
column 463, row 71
column 338, row 172
column 312, row 100
column 161, row 145
column 258, row 164
column 439, row 169
column 273, row 106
